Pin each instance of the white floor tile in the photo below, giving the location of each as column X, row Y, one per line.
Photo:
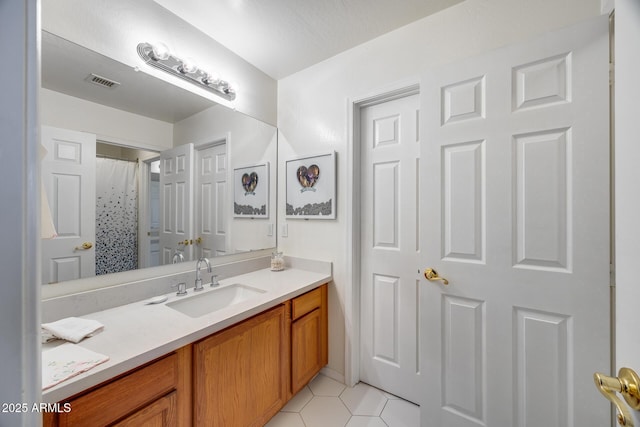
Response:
column 325, row 386
column 324, row 412
column 328, row 403
column 363, row 400
column 298, row 401
column 390, row 396
column 286, row 419
column 400, row 413
column 358, row 421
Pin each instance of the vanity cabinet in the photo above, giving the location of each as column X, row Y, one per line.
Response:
column 158, row 394
column 309, row 336
column 241, row 374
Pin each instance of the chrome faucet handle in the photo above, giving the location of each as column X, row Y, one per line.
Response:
column 182, row 289
column 214, row 281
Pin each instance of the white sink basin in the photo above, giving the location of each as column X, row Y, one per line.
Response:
column 212, row 300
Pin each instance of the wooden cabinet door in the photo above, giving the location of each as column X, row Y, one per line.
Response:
column 240, row 376
column 161, row 413
column 309, row 336
column 306, row 349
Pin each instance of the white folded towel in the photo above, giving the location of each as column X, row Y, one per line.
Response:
column 72, row 329
column 66, row 361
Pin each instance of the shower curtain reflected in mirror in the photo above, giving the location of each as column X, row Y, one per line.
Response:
column 116, row 215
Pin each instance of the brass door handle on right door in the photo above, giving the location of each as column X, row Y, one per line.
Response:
column 431, row 275
column 626, row 383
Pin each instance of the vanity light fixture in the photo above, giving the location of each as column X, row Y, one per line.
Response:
column 160, row 57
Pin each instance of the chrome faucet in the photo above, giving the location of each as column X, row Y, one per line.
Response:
column 177, row 257
column 198, row 286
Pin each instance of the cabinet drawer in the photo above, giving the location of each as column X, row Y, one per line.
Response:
column 121, row 397
column 306, row 303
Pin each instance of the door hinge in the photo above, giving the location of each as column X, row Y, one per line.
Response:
column 612, row 276
column 612, row 74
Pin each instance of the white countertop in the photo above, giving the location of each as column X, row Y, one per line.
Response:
column 135, row 333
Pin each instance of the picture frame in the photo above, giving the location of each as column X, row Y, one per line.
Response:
column 311, row 187
column 251, row 191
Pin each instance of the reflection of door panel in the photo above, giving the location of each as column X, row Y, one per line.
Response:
column 515, row 204
column 68, row 172
column 176, row 194
column 154, row 216
column 149, row 214
column 211, row 206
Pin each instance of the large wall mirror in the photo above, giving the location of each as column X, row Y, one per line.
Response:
column 163, row 170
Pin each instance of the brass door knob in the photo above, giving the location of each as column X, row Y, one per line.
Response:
column 85, row 246
column 626, row 383
column 431, row 275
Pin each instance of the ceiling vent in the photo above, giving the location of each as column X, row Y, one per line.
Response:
column 102, row 81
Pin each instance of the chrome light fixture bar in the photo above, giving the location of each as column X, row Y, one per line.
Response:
column 159, row 57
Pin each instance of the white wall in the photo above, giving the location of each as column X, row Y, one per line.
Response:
column 627, row 181
column 19, row 192
column 115, row 27
column 251, row 142
column 110, row 124
column 313, row 108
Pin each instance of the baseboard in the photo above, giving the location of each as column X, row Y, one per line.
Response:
column 334, row 375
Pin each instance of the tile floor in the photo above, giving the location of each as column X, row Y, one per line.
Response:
column 328, row 403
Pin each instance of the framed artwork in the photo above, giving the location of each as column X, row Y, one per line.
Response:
column 251, row 191
column 311, row 187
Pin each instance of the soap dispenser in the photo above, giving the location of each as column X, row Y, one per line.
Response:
column 277, row 261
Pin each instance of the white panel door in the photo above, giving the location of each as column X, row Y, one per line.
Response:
column 627, row 177
column 389, row 283
column 69, row 177
column 516, row 217
column 211, row 201
column 176, row 202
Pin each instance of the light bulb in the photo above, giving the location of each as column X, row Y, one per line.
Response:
column 160, row 51
column 232, row 87
column 222, row 85
column 188, row 66
column 210, row 78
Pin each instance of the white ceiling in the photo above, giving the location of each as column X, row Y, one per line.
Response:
column 281, row 37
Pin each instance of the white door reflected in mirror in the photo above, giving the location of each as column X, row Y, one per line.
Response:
column 68, row 174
